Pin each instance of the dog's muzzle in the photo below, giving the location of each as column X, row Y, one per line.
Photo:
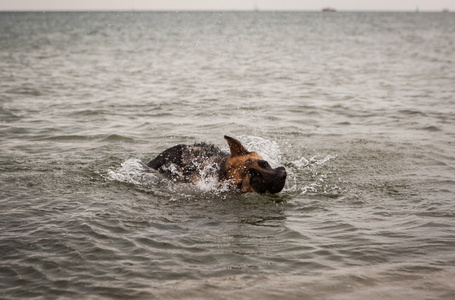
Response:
column 271, row 181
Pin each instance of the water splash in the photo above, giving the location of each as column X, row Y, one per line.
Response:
column 209, row 179
column 308, row 175
column 269, row 150
column 304, row 175
column 135, row 172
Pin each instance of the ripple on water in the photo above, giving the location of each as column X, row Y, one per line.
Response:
column 361, row 117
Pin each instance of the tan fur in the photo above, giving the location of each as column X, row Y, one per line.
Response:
column 237, row 169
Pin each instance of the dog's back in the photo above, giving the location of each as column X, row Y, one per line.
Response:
column 189, row 162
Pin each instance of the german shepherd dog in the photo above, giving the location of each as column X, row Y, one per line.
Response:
column 240, row 168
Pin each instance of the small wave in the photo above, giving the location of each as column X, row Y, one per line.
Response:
column 24, row 90
column 410, row 112
column 7, row 115
column 89, row 112
column 64, row 138
column 431, row 128
column 74, row 137
column 118, row 138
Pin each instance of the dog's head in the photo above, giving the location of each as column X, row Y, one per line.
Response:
column 250, row 172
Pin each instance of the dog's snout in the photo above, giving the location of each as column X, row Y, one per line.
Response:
column 277, row 181
column 281, row 173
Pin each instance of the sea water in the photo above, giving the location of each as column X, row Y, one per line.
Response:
column 358, row 107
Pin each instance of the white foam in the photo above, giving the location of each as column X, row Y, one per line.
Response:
column 269, row 150
column 133, row 171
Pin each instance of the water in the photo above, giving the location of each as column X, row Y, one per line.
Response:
column 359, row 107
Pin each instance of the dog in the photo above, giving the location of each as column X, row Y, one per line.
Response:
column 240, row 168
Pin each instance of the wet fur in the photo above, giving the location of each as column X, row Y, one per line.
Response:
column 188, row 162
column 242, row 169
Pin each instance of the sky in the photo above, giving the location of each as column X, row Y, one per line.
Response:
column 180, row 5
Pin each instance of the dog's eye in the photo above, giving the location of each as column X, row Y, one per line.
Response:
column 263, row 164
column 253, row 173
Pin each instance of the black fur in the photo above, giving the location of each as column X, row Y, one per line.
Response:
column 185, row 161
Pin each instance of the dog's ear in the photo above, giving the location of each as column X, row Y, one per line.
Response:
column 236, row 147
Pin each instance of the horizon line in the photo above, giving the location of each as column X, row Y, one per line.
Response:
column 219, row 10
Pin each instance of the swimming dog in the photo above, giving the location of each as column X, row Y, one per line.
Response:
column 240, row 168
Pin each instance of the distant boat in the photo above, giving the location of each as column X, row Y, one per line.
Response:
column 445, row 10
column 329, row 9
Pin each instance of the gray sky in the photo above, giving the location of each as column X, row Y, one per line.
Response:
column 387, row 5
